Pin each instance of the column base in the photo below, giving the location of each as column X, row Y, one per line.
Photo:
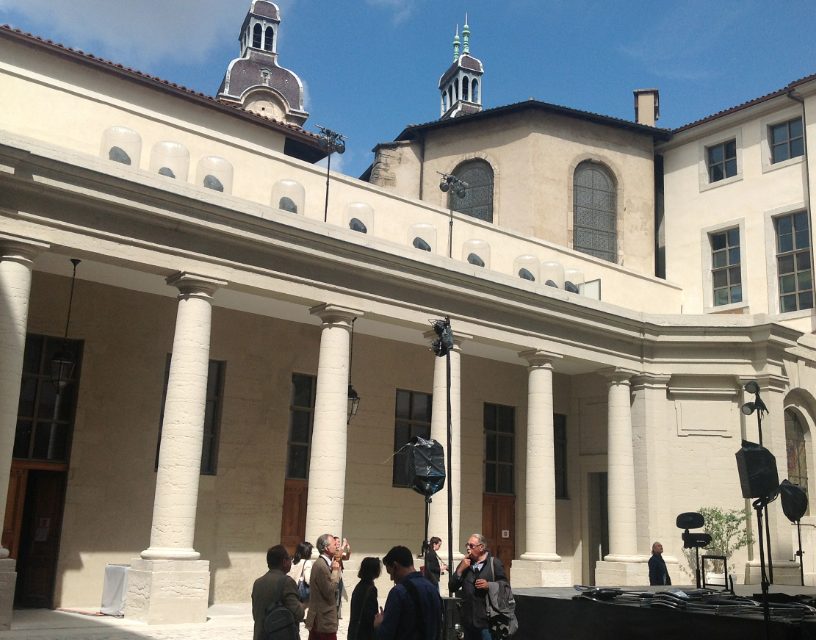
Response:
column 620, row 573
column 168, row 591
column 8, row 582
column 541, row 573
column 783, row 573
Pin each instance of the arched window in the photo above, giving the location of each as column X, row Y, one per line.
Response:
column 450, row 95
column 287, row 204
column 797, row 450
column 269, row 39
column 595, row 212
column 474, row 91
column 118, row 154
column 478, row 200
column 257, row 36
column 465, row 88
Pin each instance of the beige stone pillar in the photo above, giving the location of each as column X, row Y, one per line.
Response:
column 16, row 263
column 438, row 518
column 169, row 582
column 785, row 570
column 623, row 565
column 540, row 565
column 327, row 465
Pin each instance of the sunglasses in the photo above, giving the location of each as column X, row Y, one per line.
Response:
column 473, row 546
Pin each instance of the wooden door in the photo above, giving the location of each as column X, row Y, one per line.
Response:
column 499, row 525
column 39, row 538
column 15, row 502
column 293, row 520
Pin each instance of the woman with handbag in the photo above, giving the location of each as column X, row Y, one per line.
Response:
column 301, row 570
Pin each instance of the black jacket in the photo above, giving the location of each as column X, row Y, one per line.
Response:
column 433, row 571
column 474, row 613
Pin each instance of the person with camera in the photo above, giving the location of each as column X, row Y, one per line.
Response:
column 473, row 575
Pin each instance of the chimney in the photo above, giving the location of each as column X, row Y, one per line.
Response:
column 647, row 106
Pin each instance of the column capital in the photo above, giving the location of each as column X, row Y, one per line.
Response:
column 20, row 249
column 540, row 358
column 617, row 375
column 335, row 314
column 650, row 381
column 194, row 284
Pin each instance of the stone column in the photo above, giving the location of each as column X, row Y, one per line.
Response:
column 16, row 264
column 327, row 464
column 169, row 582
column 540, row 565
column 438, row 519
column 785, row 569
column 623, row 565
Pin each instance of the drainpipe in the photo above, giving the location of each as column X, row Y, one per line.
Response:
column 798, row 98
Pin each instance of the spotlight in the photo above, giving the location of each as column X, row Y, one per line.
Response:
column 444, row 185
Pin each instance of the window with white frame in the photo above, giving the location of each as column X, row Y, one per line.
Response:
column 793, row 264
column 786, row 140
column 721, row 160
column 412, row 418
column 726, row 278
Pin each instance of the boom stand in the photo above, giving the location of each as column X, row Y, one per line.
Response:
column 761, row 504
column 800, row 553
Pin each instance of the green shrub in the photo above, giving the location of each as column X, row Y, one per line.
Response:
column 729, row 533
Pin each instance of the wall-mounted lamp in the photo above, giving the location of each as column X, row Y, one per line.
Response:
column 332, row 142
column 63, row 362
column 757, row 406
column 353, row 397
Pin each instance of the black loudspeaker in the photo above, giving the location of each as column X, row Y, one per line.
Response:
column 690, row 520
column 757, row 471
column 426, row 466
column 794, row 500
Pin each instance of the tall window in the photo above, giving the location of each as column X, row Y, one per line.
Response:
column 301, row 420
column 793, row 262
column 212, row 415
column 478, row 200
column 45, row 420
column 786, row 140
column 722, row 160
column 412, row 418
column 500, row 440
column 797, row 450
column 257, row 36
column 560, row 442
column 269, row 39
column 725, row 267
column 595, row 215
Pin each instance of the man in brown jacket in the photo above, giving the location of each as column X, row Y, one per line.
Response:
column 275, row 586
column 325, row 579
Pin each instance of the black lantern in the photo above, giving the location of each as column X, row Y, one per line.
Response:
column 63, row 362
column 353, row 398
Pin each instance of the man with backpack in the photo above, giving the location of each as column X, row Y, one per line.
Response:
column 413, row 610
column 276, row 607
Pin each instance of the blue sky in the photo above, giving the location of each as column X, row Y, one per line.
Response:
column 371, row 67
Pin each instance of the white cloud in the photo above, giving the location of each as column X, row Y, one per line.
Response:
column 402, row 8
column 138, row 32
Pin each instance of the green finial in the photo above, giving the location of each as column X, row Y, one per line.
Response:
column 466, row 37
column 456, row 45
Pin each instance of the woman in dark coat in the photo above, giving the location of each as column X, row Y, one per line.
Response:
column 364, row 604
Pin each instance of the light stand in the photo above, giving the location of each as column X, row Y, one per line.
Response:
column 758, row 407
column 760, row 505
column 693, row 520
column 459, row 186
column 442, row 346
column 795, row 505
column 332, row 141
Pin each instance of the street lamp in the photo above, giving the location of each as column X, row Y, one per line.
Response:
column 63, row 362
column 459, row 187
column 332, row 141
column 353, row 398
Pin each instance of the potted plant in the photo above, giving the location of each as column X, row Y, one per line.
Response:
column 729, row 533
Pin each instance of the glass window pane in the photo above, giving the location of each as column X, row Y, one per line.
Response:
column 718, row 241
column 787, row 283
column 803, row 261
column 42, row 434
column 490, row 478
column 785, row 264
column 302, row 390
column 505, row 450
column 506, row 419
column 806, row 300
column 802, row 238
column 797, row 148
column 784, row 225
column 804, row 280
column 720, row 297
column 795, row 128
column 715, row 154
column 719, row 259
column 22, row 439
column 720, row 278
column 28, row 391
column 490, row 417
column 787, row 303
column 731, row 149
column 734, row 275
column 300, row 427
column 736, row 294
column 779, row 133
column 403, row 404
column 490, row 446
column 33, row 353
column 733, row 237
column 731, row 167
column 734, row 255
column 505, row 480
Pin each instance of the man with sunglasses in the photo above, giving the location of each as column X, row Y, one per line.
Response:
column 477, row 569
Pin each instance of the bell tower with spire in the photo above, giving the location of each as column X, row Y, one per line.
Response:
column 461, row 84
column 256, row 81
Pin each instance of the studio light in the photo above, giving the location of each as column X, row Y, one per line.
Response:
column 333, row 142
column 447, row 182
